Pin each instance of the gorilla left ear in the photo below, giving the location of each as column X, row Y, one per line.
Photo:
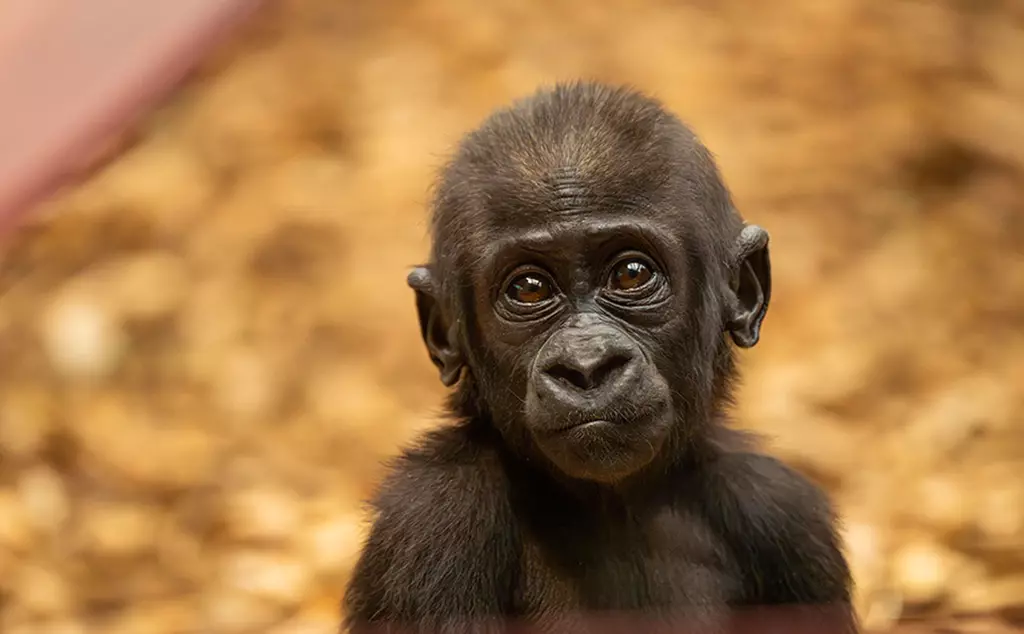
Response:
column 751, row 286
column 440, row 337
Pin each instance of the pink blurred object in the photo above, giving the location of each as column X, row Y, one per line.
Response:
column 75, row 74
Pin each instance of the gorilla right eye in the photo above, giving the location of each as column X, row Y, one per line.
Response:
column 529, row 288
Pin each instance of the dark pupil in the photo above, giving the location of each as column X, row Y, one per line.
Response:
column 529, row 289
column 632, row 275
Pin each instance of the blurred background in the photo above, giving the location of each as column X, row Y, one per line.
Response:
column 207, row 346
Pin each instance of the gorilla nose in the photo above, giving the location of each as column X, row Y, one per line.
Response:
column 588, row 365
column 587, row 373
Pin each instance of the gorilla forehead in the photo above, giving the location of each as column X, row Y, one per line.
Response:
column 572, row 154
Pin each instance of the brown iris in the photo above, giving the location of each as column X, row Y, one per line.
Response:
column 630, row 275
column 529, row 288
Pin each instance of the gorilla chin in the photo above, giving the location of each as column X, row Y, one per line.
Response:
column 606, row 445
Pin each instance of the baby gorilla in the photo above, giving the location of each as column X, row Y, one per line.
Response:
column 587, row 275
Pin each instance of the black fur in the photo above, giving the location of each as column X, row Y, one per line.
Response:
column 652, row 514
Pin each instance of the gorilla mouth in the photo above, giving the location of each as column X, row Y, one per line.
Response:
column 595, row 424
column 590, row 418
column 628, row 418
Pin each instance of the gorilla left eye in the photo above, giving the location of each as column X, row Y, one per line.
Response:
column 630, row 275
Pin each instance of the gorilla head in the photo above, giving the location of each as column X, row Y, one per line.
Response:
column 587, row 265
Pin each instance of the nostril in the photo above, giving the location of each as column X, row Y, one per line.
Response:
column 609, row 368
column 573, row 378
column 589, row 378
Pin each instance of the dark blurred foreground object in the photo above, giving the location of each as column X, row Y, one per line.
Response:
column 73, row 75
column 821, row 619
column 766, row 620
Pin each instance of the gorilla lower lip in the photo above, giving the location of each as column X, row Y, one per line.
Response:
column 588, row 425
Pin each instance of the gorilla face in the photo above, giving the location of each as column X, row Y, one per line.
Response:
column 573, row 332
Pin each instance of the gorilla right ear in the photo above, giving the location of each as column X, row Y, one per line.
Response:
column 440, row 337
column 751, row 286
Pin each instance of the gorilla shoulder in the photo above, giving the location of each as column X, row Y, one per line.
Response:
column 442, row 541
column 779, row 524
